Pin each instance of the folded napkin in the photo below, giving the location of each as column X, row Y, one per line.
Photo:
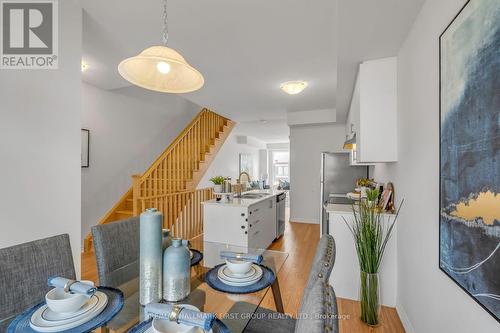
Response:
column 186, row 316
column 77, row 287
column 256, row 258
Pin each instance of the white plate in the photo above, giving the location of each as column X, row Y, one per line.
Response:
column 38, row 323
column 63, row 318
column 239, row 282
column 227, row 272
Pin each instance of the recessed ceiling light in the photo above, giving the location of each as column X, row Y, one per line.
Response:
column 293, row 87
column 85, row 66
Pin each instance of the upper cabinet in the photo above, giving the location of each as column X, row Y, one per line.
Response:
column 373, row 112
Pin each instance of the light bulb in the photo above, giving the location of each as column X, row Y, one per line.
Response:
column 163, row 67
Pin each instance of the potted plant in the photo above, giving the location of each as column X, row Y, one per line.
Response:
column 217, row 181
column 371, row 230
column 363, row 184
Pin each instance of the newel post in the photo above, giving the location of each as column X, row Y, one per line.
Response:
column 136, row 181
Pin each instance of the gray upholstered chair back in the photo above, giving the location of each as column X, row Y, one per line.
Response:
column 319, row 313
column 323, row 262
column 25, row 269
column 116, row 247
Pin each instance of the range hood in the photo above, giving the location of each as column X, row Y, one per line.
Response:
column 350, row 144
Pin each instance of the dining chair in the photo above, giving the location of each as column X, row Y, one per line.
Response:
column 25, row 269
column 318, row 314
column 323, row 262
column 116, row 247
column 321, row 269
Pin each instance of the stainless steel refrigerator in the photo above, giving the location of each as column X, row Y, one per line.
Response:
column 338, row 178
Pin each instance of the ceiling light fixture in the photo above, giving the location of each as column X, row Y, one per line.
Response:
column 161, row 68
column 85, row 66
column 293, row 87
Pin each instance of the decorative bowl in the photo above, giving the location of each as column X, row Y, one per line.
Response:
column 62, row 302
column 239, row 267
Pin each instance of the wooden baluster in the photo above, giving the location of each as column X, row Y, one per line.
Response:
column 136, row 179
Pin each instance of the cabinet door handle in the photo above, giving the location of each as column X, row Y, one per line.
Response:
column 256, row 210
column 255, row 233
column 257, row 221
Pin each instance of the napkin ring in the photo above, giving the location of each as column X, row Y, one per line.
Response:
column 174, row 314
column 68, row 285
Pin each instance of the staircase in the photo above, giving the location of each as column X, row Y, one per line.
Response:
column 169, row 184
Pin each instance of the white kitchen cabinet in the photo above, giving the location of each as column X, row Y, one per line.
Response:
column 346, row 274
column 373, row 112
column 242, row 222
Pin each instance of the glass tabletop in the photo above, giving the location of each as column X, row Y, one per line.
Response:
column 235, row 310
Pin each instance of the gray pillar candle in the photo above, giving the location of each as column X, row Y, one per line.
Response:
column 150, row 258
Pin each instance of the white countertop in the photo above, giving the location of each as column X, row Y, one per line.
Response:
column 245, row 202
column 342, row 209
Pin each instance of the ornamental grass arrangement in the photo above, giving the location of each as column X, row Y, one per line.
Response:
column 371, row 229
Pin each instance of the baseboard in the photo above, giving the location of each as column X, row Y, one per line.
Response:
column 404, row 319
column 300, row 220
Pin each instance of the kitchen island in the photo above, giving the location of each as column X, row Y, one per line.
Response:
column 249, row 221
column 346, row 275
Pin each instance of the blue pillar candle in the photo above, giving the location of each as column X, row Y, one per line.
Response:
column 150, row 282
column 176, row 271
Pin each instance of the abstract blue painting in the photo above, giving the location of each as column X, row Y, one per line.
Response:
column 469, row 238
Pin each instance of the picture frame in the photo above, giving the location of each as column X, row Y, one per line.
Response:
column 85, row 148
column 246, row 163
column 467, row 241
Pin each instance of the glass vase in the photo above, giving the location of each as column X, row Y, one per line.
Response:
column 369, row 298
column 176, row 271
column 150, row 256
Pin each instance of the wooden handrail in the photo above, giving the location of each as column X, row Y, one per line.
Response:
column 172, row 178
column 173, row 170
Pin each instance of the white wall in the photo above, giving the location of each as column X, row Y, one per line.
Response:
column 40, row 144
column 129, row 129
column 306, row 145
column 428, row 300
column 226, row 162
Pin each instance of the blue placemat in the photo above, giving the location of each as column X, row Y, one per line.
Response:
column 265, row 281
column 115, row 303
column 197, row 257
column 218, row 327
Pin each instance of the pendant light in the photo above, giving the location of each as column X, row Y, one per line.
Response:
column 161, row 68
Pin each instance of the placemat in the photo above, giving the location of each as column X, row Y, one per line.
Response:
column 197, row 257
column 265, row 281
column 218, row 327
column 115, row 303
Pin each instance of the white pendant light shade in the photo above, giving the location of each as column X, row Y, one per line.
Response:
column 162, row 69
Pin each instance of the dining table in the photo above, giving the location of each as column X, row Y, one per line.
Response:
column 234, row 310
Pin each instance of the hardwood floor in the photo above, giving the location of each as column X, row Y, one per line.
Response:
column 299, row 241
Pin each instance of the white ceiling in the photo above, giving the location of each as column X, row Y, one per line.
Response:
column 269, row 131
column 368, row 29
column 246, row 49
